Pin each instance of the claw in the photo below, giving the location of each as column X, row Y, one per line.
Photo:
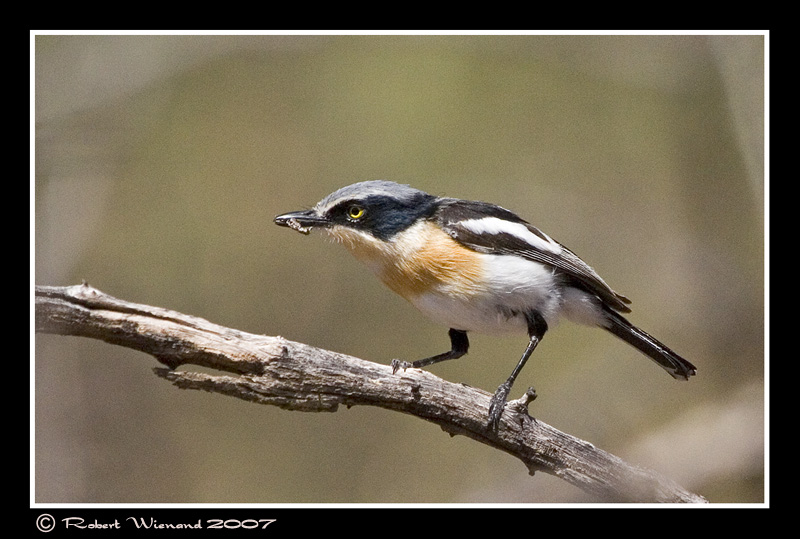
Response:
column 397, row 365
column 497, row 405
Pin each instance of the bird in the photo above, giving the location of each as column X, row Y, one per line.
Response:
column 474, row 267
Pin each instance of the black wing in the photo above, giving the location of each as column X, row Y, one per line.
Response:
column 492, row 239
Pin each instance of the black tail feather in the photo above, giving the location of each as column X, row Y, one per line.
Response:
column 668, row 360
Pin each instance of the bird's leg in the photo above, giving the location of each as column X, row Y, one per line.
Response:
column 459, row 344
column 536, row 330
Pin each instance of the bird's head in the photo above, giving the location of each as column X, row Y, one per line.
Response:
column 374, row 210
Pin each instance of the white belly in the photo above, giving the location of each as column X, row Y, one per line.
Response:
column 512, row 287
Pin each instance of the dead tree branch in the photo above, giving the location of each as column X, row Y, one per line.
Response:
column 295, row 376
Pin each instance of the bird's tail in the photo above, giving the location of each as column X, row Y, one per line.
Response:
column 675, row 365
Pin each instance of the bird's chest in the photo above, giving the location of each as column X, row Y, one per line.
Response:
column 420, row 260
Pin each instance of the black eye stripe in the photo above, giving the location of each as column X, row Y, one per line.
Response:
column 347, row 208
column 382, row 215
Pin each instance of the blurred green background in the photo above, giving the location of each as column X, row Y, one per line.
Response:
column 161, row 161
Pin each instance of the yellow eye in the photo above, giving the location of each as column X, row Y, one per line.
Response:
column 355, row 212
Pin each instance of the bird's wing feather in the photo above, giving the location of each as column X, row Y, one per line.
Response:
column 488, row 228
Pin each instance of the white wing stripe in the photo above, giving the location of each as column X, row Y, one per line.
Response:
column 494, row 225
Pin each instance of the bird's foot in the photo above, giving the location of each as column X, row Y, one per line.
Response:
column 497, row 405
column 397, row 365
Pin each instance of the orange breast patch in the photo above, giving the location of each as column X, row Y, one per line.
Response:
column 416, row 261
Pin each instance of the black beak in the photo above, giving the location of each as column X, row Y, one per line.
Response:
column 302, row 221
